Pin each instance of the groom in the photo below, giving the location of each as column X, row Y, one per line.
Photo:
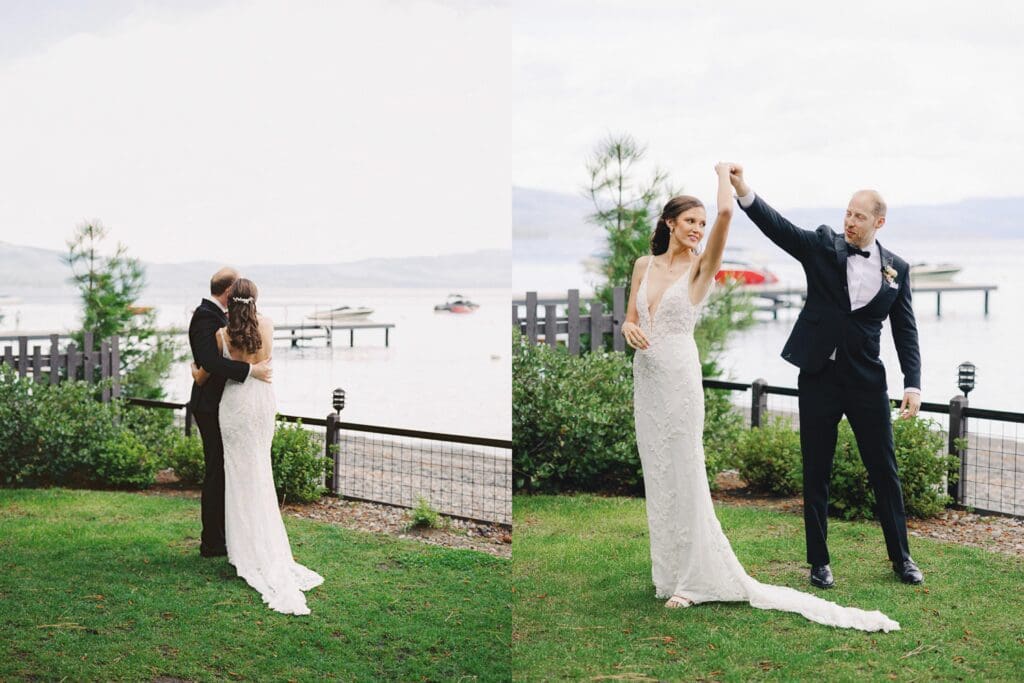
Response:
column 853, row 285
column 210, row 316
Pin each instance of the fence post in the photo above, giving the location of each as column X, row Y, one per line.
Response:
column 105, row 369
column 531, row 317
column 331, row 451
column 596, row 327
column 22, row 356
column 37, row 364
column 551, row 325
column 758, row 402
column 89, row 358
column 115, row 367
column 958, row 430
column 574, row 322
column 618, row 317
column 54, row 359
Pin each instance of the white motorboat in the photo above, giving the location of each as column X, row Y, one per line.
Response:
column 340, row 314
column 934, row 272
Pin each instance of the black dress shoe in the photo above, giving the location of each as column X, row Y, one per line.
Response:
column 908, row 572
column 821, row 576
column 216, row 552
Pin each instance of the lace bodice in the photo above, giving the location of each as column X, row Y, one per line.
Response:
column 674, row 313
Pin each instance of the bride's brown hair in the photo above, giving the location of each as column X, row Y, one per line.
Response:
column 243, row 325
column 675, row 206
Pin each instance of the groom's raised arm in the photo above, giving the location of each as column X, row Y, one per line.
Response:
column 795, row 241
column 202, row 335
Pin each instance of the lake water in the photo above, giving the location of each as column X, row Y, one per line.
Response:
column 962, row 333
column 442, row 372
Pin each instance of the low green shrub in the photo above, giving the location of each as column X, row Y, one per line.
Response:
column 184, row 454
column 62, row 436
column 298, row 463
column 768, row 458
column 572, row 421
column 923, row 466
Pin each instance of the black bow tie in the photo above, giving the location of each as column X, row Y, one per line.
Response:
column 854, row 250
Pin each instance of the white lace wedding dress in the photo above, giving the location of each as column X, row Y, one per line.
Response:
column 690, row 555
column 257, row 542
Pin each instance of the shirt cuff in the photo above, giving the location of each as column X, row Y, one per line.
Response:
column 249, row 371
column 746, row 200
column 912, row 390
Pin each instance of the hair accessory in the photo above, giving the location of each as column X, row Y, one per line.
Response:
column 242, row 299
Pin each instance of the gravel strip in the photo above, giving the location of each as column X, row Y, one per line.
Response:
column 375, row 518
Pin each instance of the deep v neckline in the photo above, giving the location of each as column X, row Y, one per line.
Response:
column 647, row 289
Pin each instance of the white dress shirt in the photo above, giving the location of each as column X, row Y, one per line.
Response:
column 863, row 275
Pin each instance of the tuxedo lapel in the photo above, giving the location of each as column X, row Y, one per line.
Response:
column 887, row 259
column 841, row 256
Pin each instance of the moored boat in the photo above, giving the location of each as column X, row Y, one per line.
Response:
column 936, row 272
column 341, row 313
column 745, row 273
column 457, row 303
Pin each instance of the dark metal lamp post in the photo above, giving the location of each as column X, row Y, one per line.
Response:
column 965, row 377
column 331, row 440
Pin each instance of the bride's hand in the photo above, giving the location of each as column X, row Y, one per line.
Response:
column 195, row 372
column 635, row 336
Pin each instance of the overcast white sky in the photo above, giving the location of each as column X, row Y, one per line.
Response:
column 256, row 131
column 920, row 99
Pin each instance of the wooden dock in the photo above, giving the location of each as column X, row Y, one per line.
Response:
column 309, row 331
column 785, row 296
column 294, row 333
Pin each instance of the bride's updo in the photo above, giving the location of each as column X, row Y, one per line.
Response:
column 675, row 206
column 243, row 325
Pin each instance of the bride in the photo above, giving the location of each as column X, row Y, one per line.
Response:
column 257, row 542
column 692, row 561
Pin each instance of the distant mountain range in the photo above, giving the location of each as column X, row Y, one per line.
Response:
column 541, row 214
column 25, row 271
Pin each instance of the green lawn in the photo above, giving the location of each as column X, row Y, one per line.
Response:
column 585, row 606
column 110, row 586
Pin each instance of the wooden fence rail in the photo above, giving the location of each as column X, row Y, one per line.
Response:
column 53, row 366
column 573, row 323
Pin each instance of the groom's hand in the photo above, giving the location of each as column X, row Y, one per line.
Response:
column 739, row 185
column 262, row 371
column 911, row 405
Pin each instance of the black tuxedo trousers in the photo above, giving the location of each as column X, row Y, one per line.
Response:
column 824, row 398
column 212, row 501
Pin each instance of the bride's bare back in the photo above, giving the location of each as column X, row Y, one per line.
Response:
column 266, row 327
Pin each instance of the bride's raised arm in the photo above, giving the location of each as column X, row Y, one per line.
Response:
column 710, row 260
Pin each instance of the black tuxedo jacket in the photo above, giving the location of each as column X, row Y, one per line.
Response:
column 202, row 331
column 826, row 321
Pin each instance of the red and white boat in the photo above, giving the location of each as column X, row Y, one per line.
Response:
column 746, row 273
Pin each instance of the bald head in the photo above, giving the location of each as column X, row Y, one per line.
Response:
column 873, row 200
column 222, row 280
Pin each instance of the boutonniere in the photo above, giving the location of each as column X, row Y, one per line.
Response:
column 889, row 273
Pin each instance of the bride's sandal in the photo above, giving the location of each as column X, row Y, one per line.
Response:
column 678, row 602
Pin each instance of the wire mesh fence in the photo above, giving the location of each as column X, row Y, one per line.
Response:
column 993, row 472
column 460, row 479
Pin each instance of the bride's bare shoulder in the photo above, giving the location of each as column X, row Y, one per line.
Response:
column 641, row 262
